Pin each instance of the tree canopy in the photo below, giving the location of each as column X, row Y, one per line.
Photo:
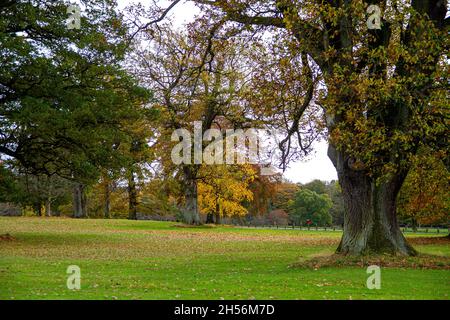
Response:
column 63, row 93
column 310, row 206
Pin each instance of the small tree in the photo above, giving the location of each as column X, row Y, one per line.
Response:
column 308, row 205
column 224, row 190
column 278, row 217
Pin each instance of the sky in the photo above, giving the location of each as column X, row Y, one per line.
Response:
column 317, row 165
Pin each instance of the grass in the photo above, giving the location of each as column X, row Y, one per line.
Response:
column 122, row 259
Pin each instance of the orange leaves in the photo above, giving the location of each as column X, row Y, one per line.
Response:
column 425, row 196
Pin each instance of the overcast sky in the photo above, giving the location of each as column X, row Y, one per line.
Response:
column 317, row 166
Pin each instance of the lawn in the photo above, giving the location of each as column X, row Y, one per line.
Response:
column 121, row 259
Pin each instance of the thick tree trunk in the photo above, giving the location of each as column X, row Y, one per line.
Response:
column 79, row 201
column 190, row 212
column 132, row 197
column 370, row 220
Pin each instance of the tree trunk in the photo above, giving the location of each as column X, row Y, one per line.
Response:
column 76, row 202
column 217, row 218
column 107, row 204
column 210, row 218
column 414, row 225
column 37, row 208
column 48, row 207
column 190, row 213
column 132, row 197
column 79, row 201
column 48, row 202
column 217, row 214
column 370, row 220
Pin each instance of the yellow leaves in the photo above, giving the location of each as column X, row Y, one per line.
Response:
column 225, row 189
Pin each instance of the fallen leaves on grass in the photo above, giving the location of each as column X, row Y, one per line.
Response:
column 430, row 240
column 421, row 261
column 311, row 240
column 203, row 226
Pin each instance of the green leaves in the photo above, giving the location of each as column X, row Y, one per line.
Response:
column 63, row 95
column 309, row 205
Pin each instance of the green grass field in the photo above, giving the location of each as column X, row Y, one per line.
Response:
column 121, row 259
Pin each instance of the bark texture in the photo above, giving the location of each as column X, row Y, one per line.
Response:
column 191, row 213
column 48, row 207
column 79, row 201
column 370, row 220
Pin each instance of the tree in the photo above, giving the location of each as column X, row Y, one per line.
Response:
column 383, row 95
column 63, row 92
column 223, row 190
column 139, row 154
column 37, row 191
column 285, row 191
column 195, row 79
column 263, row 188
column 317, row 186
column 309, row 205
column 278, row 217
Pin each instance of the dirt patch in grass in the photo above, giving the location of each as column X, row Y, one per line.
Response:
column 7, row 237
column 422, row 261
